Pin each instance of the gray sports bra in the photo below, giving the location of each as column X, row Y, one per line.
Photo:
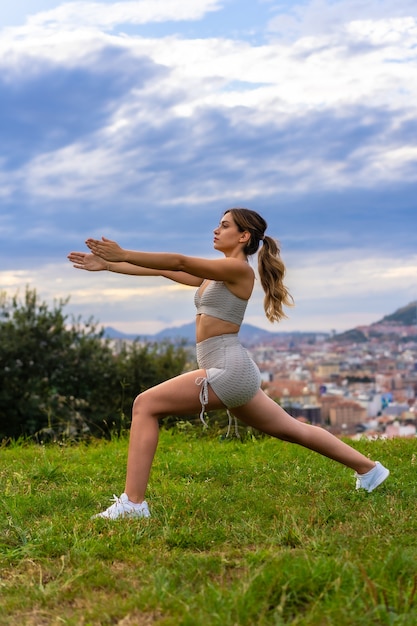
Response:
column 218, row 301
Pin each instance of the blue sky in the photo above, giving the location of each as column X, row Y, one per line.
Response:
column 144, row 120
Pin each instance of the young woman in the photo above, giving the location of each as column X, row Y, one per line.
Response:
column 226, row 377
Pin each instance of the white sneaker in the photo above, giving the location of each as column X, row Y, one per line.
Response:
column 372, row 479
column 123, row 507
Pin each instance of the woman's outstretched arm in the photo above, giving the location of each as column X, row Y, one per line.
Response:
column 226, row 269
column 94, row 263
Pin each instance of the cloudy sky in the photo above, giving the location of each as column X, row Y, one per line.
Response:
column 144, row 120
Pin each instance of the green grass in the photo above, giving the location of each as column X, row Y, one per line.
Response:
column 253, row 533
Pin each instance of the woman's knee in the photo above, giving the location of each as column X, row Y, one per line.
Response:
column 145, row 405
column 140, row 405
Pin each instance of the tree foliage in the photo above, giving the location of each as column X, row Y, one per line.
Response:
column 60, row 376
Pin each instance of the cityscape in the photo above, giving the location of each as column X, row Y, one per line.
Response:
column 352, row 389
column 361, row 383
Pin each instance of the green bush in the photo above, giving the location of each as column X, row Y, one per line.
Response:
column 60, row 377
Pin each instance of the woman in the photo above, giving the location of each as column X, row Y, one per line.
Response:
column 226, row 377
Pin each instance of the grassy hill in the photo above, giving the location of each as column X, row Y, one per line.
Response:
column 242, row 533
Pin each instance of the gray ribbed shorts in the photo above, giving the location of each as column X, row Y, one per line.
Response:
column 231, row 373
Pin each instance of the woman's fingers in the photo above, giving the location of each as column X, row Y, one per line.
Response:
column 76, row 256
column 106, row 249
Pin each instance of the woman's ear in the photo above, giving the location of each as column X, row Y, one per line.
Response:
column 244, row 237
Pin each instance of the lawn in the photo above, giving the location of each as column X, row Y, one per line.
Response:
column 242, row 533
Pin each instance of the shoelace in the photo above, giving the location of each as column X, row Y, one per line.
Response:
column 117, row 501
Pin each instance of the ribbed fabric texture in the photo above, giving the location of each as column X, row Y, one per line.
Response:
column 232, row 374
column 216, row 300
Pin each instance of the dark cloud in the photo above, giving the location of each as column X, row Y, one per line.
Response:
column 379, row 220
column 47, row 105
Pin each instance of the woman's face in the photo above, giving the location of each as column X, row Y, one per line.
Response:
column 227, row 236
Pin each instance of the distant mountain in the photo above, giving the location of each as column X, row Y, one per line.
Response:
column 355, row 335
column 176, row 333
column 249, row 335
column 113, row 333
column 405, row 316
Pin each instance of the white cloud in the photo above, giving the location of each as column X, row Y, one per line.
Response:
column 386, row 163
column 351, row 273
column 282, row 78
column 75, row 172
column 329, row 16
column 94, row 14
column 361, row 59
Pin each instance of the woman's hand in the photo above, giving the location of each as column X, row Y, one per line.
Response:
column 86, row 261
column 106, row 249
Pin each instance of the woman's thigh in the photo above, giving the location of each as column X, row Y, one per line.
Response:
column 178, row 396
column 266, row 415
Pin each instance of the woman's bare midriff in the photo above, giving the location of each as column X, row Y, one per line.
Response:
column 208, row 326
